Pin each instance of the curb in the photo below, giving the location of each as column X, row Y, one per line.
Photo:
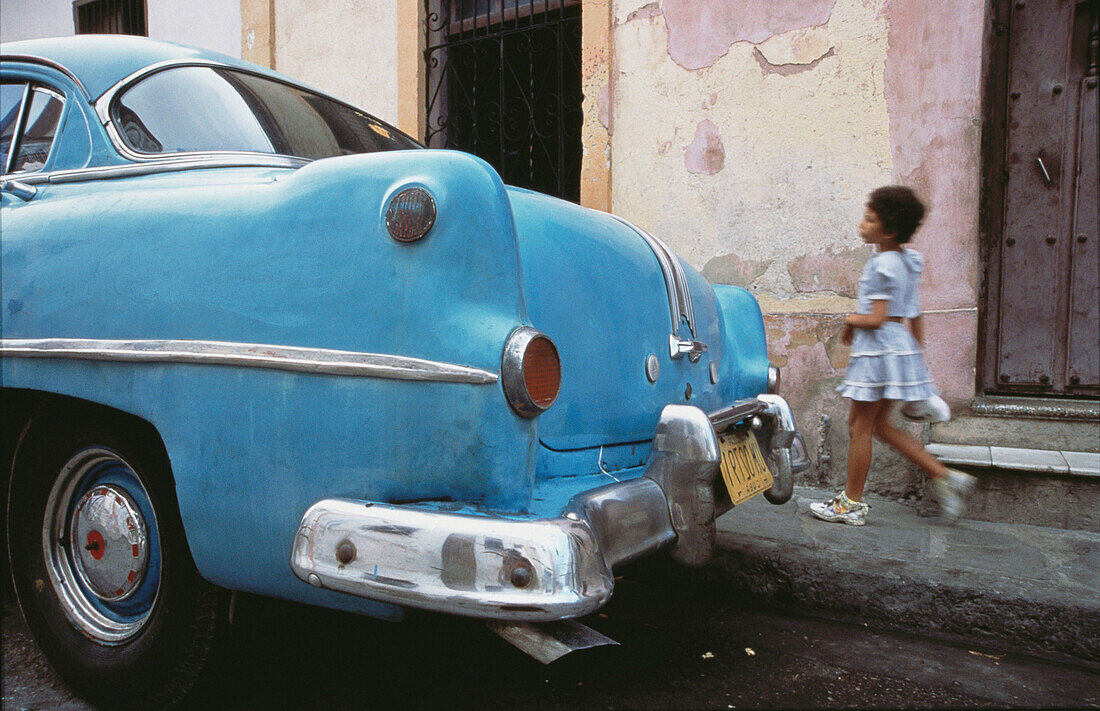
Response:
column 909, row 603
column 1032, row 587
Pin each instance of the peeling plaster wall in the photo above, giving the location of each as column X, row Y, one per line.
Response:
column 766, row 123
column 347, row 48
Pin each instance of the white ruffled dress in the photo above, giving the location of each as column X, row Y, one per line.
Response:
column 887, row 363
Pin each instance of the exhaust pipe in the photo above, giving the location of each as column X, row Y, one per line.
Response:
column 549, row 641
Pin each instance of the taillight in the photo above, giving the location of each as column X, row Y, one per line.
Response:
column 530, row 371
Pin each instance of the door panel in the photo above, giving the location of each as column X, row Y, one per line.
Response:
column 1082, row 360
column 1041, row 200
column 1033, row 196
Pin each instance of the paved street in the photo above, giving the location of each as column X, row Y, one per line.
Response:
column 683, row 646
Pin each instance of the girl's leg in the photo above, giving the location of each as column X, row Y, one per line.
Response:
column 900, row 440
column 861, row 425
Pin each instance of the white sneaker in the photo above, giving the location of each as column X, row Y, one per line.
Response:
column 934, row 409
column 841, row 510
column 951, row 491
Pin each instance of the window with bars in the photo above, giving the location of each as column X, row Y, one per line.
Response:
column 115, row 17
column 504, row 83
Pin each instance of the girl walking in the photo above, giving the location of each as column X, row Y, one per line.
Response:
column 886, row 365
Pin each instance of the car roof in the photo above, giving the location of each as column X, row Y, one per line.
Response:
column 101, row 61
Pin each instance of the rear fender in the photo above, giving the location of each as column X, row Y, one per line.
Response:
column 745, row 359
column 284, row 258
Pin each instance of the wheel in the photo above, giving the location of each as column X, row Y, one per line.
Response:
column 100, row 565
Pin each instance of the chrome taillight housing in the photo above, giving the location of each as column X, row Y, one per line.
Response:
column 530, row 371
column 410, row 214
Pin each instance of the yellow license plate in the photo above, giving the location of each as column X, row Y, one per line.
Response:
column 743, row 467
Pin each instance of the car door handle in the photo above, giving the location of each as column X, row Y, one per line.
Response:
column 694, row 350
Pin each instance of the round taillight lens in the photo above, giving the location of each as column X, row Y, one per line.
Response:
column 542, row 371
column 410, row 215
column 530, row 371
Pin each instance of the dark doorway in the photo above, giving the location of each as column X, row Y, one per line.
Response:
column 504, row 83
column 1040, row 212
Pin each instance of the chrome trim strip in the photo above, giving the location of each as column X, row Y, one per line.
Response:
column 47, row 90
column 32, row 59
column 17, row 136
column 17, row 130
column 320, row 361
column 671, row 285
column 679, row 295
column 166, row 165
column 103, row 101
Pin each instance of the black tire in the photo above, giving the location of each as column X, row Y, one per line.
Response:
column 145, row 644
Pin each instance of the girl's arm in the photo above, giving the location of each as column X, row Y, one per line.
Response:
column 917, row 329
column 873, row 320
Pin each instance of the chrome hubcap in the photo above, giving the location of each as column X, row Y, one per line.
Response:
column 102, row 546
column 109, row 542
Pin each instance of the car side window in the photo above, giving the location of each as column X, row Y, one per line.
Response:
column 195, row 109
column 11, row 101
column 39, row 128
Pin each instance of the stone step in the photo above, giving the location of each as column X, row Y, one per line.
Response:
column 1019, row 432
column 1060, row 489
column 1037, row 460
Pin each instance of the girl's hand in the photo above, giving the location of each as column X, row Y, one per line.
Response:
column 847, row 333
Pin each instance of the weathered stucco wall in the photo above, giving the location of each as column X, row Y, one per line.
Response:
column 765, row 123
column 216, row 26
column 34, row 19
column 347, row 48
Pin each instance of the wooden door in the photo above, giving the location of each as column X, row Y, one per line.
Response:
column 1043, row 301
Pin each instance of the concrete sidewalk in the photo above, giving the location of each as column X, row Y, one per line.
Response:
column 1032, row 586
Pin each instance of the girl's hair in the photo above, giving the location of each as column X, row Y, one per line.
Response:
column 899, row 209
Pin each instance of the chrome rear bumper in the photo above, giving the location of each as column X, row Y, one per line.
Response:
column 517, row 568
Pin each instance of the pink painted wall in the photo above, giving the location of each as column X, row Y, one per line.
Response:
column 779, row 116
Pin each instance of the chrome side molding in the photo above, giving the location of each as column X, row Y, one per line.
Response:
column 320, row 361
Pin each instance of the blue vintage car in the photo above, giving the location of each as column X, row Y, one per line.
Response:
column 254, row 339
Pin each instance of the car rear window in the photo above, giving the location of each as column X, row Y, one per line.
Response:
column 187, row 109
